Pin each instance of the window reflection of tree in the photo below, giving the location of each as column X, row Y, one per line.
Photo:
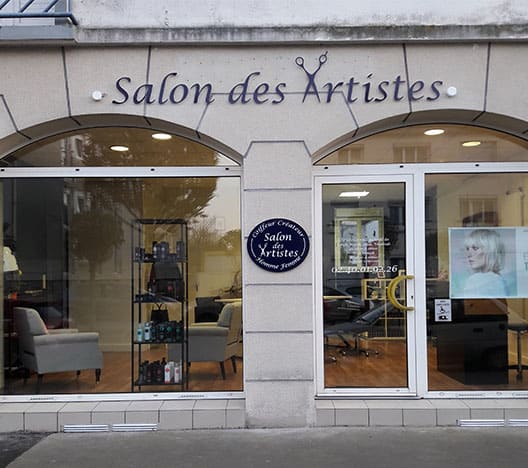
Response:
column 110, row 204
column 205, row 240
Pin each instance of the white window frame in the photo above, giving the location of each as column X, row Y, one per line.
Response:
column 342, row 174
column 125, row 172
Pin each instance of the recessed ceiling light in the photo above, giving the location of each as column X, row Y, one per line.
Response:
column 353, row 194
column 161, row 136
column 119, row 148
column 471, row 143
column 434, row 131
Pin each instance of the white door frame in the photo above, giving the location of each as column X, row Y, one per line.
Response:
column 415, row 248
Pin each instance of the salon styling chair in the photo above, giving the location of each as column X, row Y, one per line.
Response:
column 356, row 328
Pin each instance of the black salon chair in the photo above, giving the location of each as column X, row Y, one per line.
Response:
column 356, row 328
column 207, row 309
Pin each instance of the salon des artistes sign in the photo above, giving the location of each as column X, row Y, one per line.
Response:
column 175, row 88
column 278, row 245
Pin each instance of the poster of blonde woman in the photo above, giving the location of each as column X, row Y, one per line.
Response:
column 485, row 262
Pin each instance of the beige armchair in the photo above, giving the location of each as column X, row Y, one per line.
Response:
column 44, row 351
column 214, row 341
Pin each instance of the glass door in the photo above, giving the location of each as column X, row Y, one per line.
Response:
column 365, row 285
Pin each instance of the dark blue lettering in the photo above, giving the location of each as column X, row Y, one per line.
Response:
column 382, row 89
column 415, row 88
column 436, row 91
column 261, row 90
column 242, row 97
column 198, row 89
column 147, row 94
column 332, row 89
column 352, row 82
column 185, row 92
column 366, row 87
column 162, row 87
column 122, row 90
column 397, row 83
column 279, row 93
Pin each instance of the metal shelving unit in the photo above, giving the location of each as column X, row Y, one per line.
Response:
column 159, row 277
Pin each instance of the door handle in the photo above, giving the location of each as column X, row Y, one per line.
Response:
column 391, row 291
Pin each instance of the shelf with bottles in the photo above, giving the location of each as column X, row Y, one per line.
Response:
column 161, row 253
column 157, row 373
column 150, row 332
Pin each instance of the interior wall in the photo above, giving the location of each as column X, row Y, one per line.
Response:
column 511, row 212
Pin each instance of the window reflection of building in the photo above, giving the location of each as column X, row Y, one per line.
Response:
column 479, row 211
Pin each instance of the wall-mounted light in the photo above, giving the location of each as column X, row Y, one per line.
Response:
column 353, row 194
column 120, row 148
column 98, row 95
column 434, row 131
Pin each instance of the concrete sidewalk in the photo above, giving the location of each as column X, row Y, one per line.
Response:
column 291, row 448
column 13, row 444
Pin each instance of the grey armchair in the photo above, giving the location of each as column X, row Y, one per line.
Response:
column 44, row 351
column 214, row 341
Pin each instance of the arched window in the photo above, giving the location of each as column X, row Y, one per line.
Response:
column 117, row 230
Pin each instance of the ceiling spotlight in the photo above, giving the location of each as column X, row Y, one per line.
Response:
column 120, row 148
column 469, row 144
column 161, row 136
column 353, row 194
column 434, row 131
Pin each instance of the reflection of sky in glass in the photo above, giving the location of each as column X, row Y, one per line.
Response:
column 225, row 204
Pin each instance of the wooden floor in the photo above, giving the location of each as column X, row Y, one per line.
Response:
column 389, row 369
column 351, row 369
column 116, row 378
column 384, row 370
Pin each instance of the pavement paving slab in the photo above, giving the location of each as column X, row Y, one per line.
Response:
column 13, row 444
column 288, row 448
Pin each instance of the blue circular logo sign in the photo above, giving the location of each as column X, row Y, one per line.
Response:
column 278, row 245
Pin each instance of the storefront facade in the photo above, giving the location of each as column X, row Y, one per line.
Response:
column 325, row 143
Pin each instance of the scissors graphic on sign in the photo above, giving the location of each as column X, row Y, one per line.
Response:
column 311, row 87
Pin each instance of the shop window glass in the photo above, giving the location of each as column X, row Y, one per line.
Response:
column 363, row 250
column 71, row 248
column 477, row 284
column 476, row 309
column 457, row 143
column 116, row 146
